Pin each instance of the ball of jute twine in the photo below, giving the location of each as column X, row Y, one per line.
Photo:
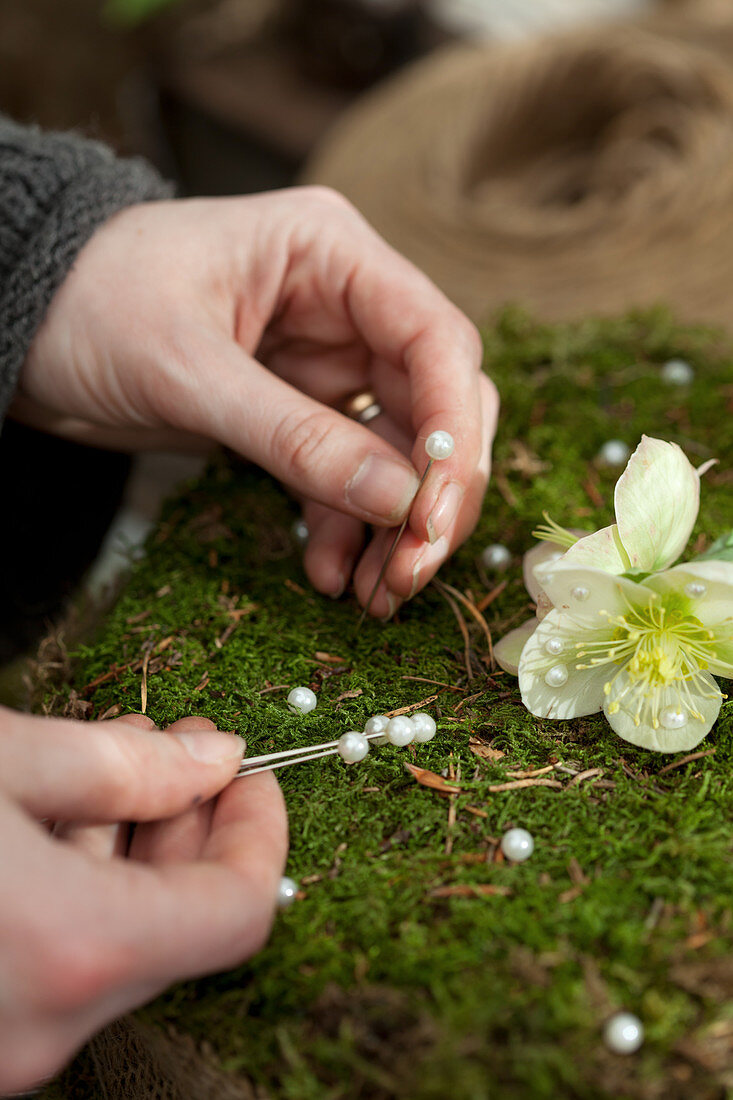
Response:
column 580, row 175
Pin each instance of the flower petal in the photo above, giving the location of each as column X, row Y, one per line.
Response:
column 540, row 554
column 590, row 595
column 582, row 692
column 508, row 650
column 708, row 588
column 705, row 695
column 601, row 550
column 656, row 500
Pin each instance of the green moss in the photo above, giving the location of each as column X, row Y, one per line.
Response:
column 373, row 986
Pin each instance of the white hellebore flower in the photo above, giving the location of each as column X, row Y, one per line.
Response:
column 642, row 651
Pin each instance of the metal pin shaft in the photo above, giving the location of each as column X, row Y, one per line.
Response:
column 273, row 760
column 393, row 547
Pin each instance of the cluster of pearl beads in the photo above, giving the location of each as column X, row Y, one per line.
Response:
column 399, row 731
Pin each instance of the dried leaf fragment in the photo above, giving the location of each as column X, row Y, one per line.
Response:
column 484, row 751
column 329, row 658
column 429, row 779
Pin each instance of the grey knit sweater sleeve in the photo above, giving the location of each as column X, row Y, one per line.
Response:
column 55, row 190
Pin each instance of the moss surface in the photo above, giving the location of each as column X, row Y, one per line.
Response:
column 375, row 985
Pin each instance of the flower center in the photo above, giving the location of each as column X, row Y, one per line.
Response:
column 660, row 652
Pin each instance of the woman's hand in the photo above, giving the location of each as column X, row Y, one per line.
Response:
column 93, row 922
column 248, row 321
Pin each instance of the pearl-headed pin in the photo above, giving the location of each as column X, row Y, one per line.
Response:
column 438, row 446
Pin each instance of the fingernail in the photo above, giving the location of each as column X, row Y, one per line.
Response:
column 393, row 602
column 445, row 510
column 211, row 746
column 427, row 559
column 338, row 588
column 382, row 487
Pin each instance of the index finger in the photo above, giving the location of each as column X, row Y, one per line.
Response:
column 407, row 320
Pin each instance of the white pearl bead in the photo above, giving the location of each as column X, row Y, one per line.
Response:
column 556, row 676
column 624, row 1033
column 696, row 589
column 353, row 747
column 677, row 372
column 517, row 845
column 300, row 531
column 424, row 727
column 287, row 892
column 580, row 593
column 302, row 700
column 673, row 718
column 377, row 724
column 496, row 556
column 614, row 453
column 400, row 731
column 553, row 646
column 439, row 445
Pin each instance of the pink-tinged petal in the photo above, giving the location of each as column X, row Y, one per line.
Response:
column 656, row 500
column 704, row 694
column 589, row 596
column 540, row 554
column 601, row 550
column 582, row 691
column 508, row 650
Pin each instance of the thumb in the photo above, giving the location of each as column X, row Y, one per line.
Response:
column 308, row 446
column 110, row 771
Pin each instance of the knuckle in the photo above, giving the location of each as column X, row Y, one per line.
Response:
column 472, row 339
column 74, row 969
column 303, row 440
column 329, row 196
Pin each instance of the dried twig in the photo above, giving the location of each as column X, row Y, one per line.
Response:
column 461, row 624
column 472, row 610
column 576, row 873
column 452, row 809
column 438, row 683
column 504, row 488
column 489, row 598
column 585, row 775
column 520, row 783
column 686, row 760
column 471, row 890
column 412, row 706
column 531, row 772
column 467, row 699
column 144, row 683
